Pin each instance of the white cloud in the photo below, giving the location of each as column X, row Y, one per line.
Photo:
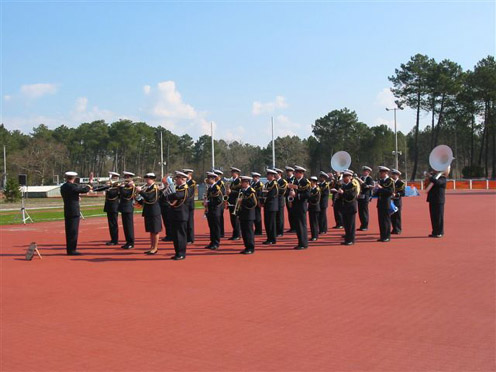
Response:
column 385, row 98
column 283, row 126
column 166, row 104
column 268, row 107
column 81, row 104
column 38, row 90
column 7, row 98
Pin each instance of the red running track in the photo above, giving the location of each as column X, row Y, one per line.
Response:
column 414, row 304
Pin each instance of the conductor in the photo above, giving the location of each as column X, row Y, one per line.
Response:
column 70, row 194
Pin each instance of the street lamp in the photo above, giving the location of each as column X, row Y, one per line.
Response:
column 395, row 136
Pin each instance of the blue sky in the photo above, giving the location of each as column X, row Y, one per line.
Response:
column 183, row 65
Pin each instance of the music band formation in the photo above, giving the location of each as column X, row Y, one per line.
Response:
column 251, row 204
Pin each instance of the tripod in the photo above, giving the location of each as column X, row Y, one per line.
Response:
column 24, row 213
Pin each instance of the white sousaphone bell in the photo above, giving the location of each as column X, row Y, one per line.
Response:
column 341, row 161
column 440, row 159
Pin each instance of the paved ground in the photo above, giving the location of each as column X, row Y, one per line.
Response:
column 415, row 304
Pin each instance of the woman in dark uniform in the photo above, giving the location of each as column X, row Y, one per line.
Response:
column 314, row 208
column 151, row 210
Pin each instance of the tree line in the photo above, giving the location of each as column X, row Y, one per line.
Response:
column 460, row 105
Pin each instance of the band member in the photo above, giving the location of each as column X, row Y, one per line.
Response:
column 349, row 191
column 399, row 192
column 436, row 191
column 384, row 190
column 191, row 205
column 164, row 211
column 111, row 206
column 314, row 207
column 337, row 201
column 290, row 179
column 151, row 210
column 246, row 211
column 70, row 193
column 257, row 185
column 214, row 207
column 282, row 186
column 299, row 194
column 127, row 194
column 324, row 201
column 222, row 185
column 270, row 201
column 234, row 188
column 366, row 186
column 179, row 212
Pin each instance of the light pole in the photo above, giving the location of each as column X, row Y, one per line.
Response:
column 395, row 136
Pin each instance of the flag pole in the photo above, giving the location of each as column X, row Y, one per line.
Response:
column 273, row 145
column 213, row 147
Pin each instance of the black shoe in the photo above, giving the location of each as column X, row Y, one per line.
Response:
column 151, row 252
column 178, row 258
column 234, row 238
column 247, row 251
column 127, row 246
column 74, row 253
column 299, row 248
column 313, row 239
column 362, row 229
column 278, row 235
column 268, row 242
column 347, row 243
column 111, row 243
column 438, row 236
column 208, row 246
column 213, row 247
column 384, row 240
column 189, row 242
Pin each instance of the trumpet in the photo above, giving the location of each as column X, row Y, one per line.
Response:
column 237, row 205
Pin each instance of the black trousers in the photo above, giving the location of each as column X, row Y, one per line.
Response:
column 349, row 219
column 258, row 220
column 314, row 223
column 128, row 225
column 234, row 224
column 436, row 211
column 300, row 221
column 71, row 233
column 396, row 217
column 112, row 218
column 190, row 232
column 384, row 222
column 248, row 234
column 270, row 225
column 166, row 220
column 323, row 221
column 338, row 215
column 363, row 212
column 290, row 217
column 280, row 218
column 214, row 226
column 179, row 237
column 222, row 222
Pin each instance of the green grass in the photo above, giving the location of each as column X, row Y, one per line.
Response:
column 40, row 215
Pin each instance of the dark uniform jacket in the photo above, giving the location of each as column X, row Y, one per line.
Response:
column 282, row 185
column 111, row 197
column 127, row 194
column 179, row 208
column 314, row 199
column 324, row 194
column 70, row 193
column 248, row 204
column 289, row 180
column 302, row 193
column 384, row 194
column 215, row 199
column 399, row 189
column 349, row 196
column 271, row 197
column 335, row 184
column 191, row 194
column 235, row 187
column 437, row 193
column 151, row 206
column 366, row 187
